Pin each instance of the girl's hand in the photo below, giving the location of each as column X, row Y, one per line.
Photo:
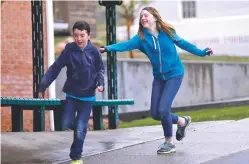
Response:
column 100, row 88
column 209, row 51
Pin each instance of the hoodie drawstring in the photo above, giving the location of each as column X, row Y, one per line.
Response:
column 154, row 41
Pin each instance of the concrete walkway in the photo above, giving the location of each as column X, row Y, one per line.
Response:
column 206, row 142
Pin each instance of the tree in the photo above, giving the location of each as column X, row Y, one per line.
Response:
column 129, row 13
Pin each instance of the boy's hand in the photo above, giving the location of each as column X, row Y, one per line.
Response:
column 102, row 49
column 41, row 95
column 100, row 88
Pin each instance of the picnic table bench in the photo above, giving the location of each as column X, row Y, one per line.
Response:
column 19, row 104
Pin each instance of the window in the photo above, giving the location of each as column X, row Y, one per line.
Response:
column 188, row 9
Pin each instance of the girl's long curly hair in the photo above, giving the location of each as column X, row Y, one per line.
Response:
column 160, row 24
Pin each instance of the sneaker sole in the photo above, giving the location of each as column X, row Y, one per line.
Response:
column 81, row 162
column 189, row 121
column 168, row 152
column 184, row 134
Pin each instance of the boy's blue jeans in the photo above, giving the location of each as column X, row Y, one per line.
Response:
column 77, row 122
column 163, row 94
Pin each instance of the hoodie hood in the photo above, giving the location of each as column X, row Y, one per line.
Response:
column 147, row 32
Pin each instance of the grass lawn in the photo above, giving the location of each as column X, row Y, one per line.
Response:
column 58, row 39
column 139, row 55
column 228, row 113
column 215, row 58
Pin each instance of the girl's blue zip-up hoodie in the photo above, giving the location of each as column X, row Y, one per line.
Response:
column 85, row 70
column 161, row 52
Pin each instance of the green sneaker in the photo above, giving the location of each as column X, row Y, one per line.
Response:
column 166, row 148
column 80, row 161
column 180, row 133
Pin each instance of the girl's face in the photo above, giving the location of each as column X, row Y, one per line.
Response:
column 147, row 19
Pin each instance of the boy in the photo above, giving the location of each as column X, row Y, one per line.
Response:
column 85, row 73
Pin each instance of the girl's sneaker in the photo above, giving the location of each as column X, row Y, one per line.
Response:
column 181, row 130
column 166, row 148
column 80, row 161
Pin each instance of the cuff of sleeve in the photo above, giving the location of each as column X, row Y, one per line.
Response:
column 106, row 49
column 42, row 88
column 100, row 83
column 204, row 52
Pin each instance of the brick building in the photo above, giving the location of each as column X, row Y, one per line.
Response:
column 16, row 51
column 16, row 58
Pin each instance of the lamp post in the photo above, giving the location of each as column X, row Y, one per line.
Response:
column 111, row 60
column 38, row 60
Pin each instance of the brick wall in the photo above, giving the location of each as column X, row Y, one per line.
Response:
column 16, row 58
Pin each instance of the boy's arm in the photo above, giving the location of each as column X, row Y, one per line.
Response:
column 53, row 71
column 129, row 45
column 185, row 45
column 101, row 72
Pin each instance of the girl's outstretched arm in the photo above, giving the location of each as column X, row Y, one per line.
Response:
column 129, row 45
column 185, row 45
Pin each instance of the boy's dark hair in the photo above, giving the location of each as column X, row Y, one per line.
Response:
column 82, row 25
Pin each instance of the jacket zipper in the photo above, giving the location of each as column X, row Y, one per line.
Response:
column 160, row 59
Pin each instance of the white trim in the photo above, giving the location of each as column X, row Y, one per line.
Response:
column 180, row 9
column 50, row 52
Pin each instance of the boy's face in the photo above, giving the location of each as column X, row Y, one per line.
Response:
column 81, row 37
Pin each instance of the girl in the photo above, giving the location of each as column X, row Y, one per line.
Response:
column 157, row 40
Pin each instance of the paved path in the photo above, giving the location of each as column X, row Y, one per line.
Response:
column 206, row 142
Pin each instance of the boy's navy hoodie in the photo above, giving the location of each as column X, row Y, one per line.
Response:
column 85, row 70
